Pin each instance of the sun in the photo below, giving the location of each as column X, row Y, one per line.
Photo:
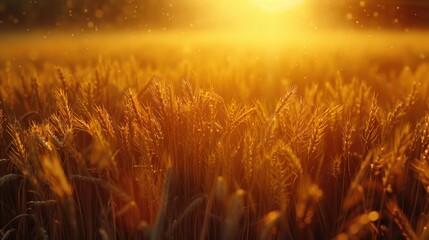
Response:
column 277, row 5
column 268, row 16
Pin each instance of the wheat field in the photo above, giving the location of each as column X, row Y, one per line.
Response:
column 160, row 139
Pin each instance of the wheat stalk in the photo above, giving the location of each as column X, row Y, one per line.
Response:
column 400, row 219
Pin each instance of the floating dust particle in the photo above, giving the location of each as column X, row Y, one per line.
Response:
column 349, row 16
column 99, row 13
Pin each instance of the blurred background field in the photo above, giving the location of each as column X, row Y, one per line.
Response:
column 260, row 65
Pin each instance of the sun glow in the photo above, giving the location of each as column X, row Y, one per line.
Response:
column 277, row 5
column 261, row 16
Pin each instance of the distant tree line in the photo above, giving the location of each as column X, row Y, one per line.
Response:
column 170, row 13
column 396, row 14
column 110, row 13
